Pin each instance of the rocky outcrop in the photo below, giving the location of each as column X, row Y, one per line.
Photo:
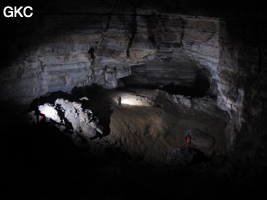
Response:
column 100, row 42
column 242, row 82
column 185, row 157
column 200, row 139
column 67, row 116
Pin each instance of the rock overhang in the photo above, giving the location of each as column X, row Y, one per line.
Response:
column 65, row 55
column 136, row 19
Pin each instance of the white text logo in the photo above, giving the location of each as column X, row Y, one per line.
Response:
column 20, row 11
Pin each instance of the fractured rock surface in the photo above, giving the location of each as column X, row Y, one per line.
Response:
column 152, row 42
column 139, row 127
column 76, row 51
column 100, row 42
column 69, row 116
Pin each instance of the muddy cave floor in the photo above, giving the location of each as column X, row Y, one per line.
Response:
column 40, row 162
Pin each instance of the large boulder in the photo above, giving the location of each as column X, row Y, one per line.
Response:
column 185, row 156
column 68, row 116
column 201, row 139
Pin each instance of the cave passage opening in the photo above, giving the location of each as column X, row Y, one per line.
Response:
column 195, row 83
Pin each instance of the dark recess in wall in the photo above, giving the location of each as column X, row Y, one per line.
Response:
column 200, row 86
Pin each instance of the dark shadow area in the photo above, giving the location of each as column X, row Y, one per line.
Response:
column 51, row 98
column 199, row 158
column 197, row 90
column 91, row 52
column 87, row 91
column 98, row 103
column 200, row 86
column 39, row 162
column 184, row 90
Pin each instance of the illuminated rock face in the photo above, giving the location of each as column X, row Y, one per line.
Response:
column 68, row 45
column 70, row 51
column 147, row 49
column 69, row 116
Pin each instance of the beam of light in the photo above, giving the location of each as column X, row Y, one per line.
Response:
column 132, row 100
column 49, row 112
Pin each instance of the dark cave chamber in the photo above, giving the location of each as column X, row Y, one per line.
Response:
column 194, row 83
column 39, row 162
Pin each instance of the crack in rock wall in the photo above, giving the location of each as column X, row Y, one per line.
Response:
column 242, row 71
column 163, row 49
column 56, row 56
column 49, row 51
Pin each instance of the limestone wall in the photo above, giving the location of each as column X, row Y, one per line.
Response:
column 64, row 51
column 166, row 41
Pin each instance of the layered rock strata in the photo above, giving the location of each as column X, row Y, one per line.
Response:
column 69, row 51
column 77, row 50
column 67, row 45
